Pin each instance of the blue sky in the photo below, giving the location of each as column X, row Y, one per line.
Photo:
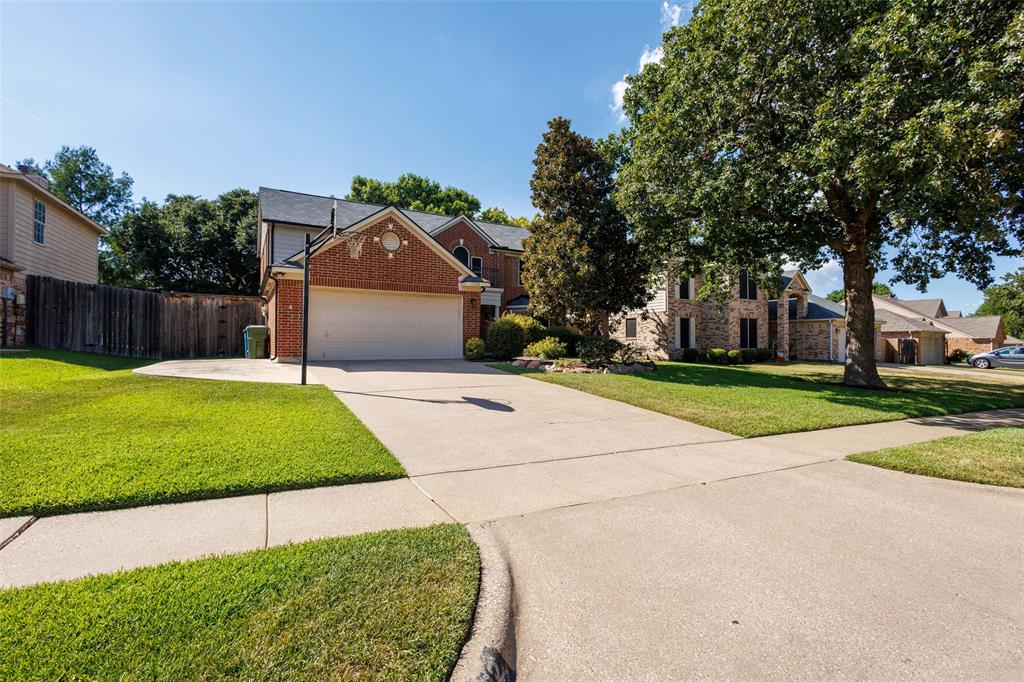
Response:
column 199, row 98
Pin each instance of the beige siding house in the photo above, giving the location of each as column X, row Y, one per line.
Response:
column 40, row 235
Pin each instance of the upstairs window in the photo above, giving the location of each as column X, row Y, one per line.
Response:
column 748, row 333
column 683, row 292
column 748, row 288
column 462, row 254
column 476, row 265
column 39, row 228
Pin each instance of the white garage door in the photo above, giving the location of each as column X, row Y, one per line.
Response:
column 362, row 325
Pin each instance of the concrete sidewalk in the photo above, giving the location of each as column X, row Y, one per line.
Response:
column 75, row 545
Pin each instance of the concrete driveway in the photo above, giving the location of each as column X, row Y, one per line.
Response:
column 451, row 415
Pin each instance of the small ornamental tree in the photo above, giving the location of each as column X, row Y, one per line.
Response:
column 826, row 129
column 580, row 264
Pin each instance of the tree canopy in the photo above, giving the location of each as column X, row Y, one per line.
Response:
column 878, row 288
column 80, row 178
column 187, row 244
column 831, row 129
column 498, row 215
column 414, row 192
column 1007, row 299
column 580, row 266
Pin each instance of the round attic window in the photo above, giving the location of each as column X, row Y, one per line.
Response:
column 391, row 242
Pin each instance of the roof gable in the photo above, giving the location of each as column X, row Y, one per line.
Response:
column 390, row 211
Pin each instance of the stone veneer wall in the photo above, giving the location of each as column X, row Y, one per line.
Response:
column 15, row 313
column 713, row 327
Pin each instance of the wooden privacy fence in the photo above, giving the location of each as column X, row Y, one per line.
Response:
column 104, row 319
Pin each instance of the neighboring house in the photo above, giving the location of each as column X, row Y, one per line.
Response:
column 807, row 327
column 971, row 334
column 393, row 283
column 40, row 235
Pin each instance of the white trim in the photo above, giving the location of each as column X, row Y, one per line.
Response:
column 679, row 293
column 479, row 258
column 473, row 226
column 691, row 326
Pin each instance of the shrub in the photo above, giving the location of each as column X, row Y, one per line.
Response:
column 474, row 349
column 957, row 355
column 533, row 330
column 548, row 348
column 505, row 338
column 595, row 351
column 763, row 354
column 717, row 356
column 690, row 355
column 630, row 354
column 734, row 357
column 567, row 336
column 749, row 354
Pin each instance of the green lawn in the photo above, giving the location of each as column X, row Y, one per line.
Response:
column 768, row 398
column 995, row 457
column 395, row 606
column 79, row 431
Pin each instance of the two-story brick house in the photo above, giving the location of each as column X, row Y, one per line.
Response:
column 805, row 326
column 40, row 235
column 390, row 283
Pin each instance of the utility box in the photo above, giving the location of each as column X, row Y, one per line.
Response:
column 256, row 341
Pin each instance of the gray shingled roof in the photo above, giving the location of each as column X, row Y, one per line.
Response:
column 929, row 307
column 282, row 206
column 893, row 322
column 818, row 308
column 977, row 327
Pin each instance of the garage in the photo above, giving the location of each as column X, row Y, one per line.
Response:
column 368, row 325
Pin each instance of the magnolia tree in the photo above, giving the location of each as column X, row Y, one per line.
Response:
column 876, row 132
column 580, row 264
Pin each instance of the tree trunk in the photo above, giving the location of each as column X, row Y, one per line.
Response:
column 858, row 278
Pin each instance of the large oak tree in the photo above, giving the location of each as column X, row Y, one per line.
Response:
column 816, row 129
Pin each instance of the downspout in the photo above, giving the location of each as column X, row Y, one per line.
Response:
column 830, row 340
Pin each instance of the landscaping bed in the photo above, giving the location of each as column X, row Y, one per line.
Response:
column 81, row 432
column 994, row 457
column 768, row 398
column 392, row 606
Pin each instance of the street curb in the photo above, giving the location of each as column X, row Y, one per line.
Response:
column 490, row 653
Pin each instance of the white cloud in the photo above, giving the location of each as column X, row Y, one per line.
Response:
column 825, row 279
column 670, row 14
column 649, row 56
column 618, row 97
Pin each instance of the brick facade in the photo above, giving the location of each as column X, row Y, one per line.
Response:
column 499, row 267
column 415, row 268
column 713, row 327
column 972, row 346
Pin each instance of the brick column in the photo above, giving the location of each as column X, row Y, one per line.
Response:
column 782, row 340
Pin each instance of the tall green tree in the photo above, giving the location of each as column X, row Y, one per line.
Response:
column 498, row 215
column 580, row 265
column 187, row 244
column 414, row 192
column 825, row 129
column 1007, row 299
column 878, row 288
column 80, row 178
